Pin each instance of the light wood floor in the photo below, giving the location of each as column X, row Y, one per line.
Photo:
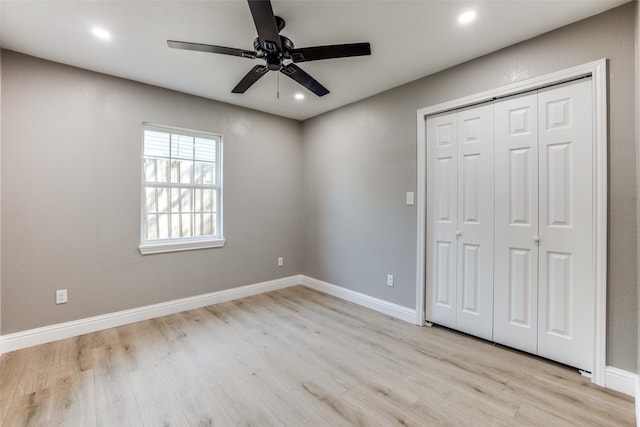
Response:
column 293, row 357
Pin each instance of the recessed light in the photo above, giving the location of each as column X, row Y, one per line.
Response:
column 299, row 96
column 467, row 17
column 101, row 34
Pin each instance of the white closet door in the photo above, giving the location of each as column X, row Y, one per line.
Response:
column 475, row 222
column 516, row 222
column 566, row 286
column 441, row 216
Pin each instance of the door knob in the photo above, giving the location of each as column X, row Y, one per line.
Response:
column 458, row 233
column 536, row 239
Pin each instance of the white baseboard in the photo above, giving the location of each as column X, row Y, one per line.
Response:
column 74, row 328
column 382, row 306
column 637, row 400
column 619, row 380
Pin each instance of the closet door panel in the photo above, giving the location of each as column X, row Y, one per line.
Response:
column 566, row 287
column 442, row 211
column 516, row 222
column 475, row 222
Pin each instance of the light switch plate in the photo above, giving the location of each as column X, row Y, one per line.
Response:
column 410, row 198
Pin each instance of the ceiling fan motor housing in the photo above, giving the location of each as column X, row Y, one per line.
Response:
column 272, row 55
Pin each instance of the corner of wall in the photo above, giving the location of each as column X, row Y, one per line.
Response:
column 301, row 194
column 637, row 123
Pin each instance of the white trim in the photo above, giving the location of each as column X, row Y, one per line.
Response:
column 382, row 306
column 598, row 71
column 422, row 313
column 74, row 328
column 620, row 380
column 183, row 245
column 637, row 399
column 599, row 93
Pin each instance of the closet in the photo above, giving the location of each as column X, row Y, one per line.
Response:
column 510, row 250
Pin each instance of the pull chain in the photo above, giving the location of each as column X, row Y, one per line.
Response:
column 278, row 87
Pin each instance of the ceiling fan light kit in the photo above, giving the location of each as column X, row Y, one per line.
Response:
column 278, row 51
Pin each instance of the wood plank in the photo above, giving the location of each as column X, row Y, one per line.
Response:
column 30, row 409
column 201, row 404
column 73, row 401
column 12, row 366
column 157, row 404
column 115, row 400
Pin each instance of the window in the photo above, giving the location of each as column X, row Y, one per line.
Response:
column 181, row 190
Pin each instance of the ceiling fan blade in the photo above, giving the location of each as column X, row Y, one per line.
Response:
column 328, row 52
column 299, row 75
column 266, row 25
column 211, row 48
column 251, row 77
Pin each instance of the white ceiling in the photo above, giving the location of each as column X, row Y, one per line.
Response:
column 409, row 39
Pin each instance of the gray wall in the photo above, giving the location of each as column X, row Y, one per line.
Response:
column 358, row 162
column 71, row 142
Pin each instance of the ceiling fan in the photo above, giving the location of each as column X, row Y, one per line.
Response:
column 277, row 51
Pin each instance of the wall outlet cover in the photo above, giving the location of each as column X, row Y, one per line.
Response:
column 61, row 296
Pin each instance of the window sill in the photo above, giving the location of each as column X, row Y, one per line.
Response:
column 189, row 245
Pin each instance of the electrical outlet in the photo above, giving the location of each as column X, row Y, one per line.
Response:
column 61, row 296
column 280, row 261
column 390, row 280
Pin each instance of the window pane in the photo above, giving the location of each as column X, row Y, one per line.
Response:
column 163, row 200
column 156, row 200
column 204, row 200
column 198, row 224
column 214, row 224
column 205, row 225
column 150, row 200
column 156, row 144
column 204, row 173
column 213, row 195
column 163, row 227
column 205, row 149
column 181, row 225
column 163, row 170
column 181, row 147
column 155, row 170
column 175, row 225
column 187, row 225
column 185, row 201
column 151, row 227
column 197, row 173
column 150, row 171
column 181, row 171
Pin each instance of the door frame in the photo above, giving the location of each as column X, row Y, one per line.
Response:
column 597, row 70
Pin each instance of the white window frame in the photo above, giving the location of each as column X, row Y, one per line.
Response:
column 182, row 243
